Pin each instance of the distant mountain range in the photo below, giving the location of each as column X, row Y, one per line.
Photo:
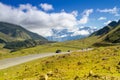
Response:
column 11, row 32
column 65, row 35
column 109, row 33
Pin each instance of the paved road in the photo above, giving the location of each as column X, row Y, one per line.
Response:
column 5, row 63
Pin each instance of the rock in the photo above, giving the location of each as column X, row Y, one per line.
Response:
column 104, row 58
column 50, row 73
column 119, row 63
column 43, row 77
column 76, row 78
column 79, row 63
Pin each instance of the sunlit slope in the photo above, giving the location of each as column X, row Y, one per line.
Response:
column 109, row 33
column 52, row 47
column 100, row 64
column 114, row 35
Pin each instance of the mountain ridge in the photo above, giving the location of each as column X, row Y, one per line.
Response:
column 109, row 33
column 65, row 35
column 15, row 32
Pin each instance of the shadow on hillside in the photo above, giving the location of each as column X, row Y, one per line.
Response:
column 104, row 44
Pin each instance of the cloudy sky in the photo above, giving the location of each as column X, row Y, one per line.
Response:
column 41, row 16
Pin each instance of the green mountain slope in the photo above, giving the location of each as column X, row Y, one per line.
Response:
column 5, row 38
column 109, row 33
column 114, row 35
column 11, row 32
column 105, row 29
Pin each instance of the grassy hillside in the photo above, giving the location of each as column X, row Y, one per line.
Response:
column 100, row 64
column 92, row 41
column 15, row 37
column 103, row 63
column 97, row 39
column 52, row 47
column 105, row 29
column 108, row 35
column 14, row 32
column 5, row 38
column 114, row 35
column 3, row 52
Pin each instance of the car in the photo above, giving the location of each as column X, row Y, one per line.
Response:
column 68, row 51
column 58, row 51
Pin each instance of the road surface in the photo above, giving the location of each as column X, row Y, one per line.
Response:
column 5, row 63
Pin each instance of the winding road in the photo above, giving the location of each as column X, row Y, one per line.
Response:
column 5, row 63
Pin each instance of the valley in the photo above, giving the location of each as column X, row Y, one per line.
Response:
column 6, row 63
column 59, row 40
column 100, row 63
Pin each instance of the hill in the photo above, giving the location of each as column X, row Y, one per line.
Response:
column 12, row 32
column 109, row 33
column 105, row 29
column 114, row 35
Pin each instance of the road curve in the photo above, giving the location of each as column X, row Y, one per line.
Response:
column 5, row 63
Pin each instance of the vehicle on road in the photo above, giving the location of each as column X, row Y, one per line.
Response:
column 58, row 51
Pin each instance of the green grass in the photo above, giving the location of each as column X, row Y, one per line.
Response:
column 47, row 48
column 6, row 37
column 3, row 52
column 100, row 64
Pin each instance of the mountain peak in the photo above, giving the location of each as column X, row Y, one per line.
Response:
column 106, row 29
column 119, row 22
column 113, row 24
column 65, row 34
column 109, row 33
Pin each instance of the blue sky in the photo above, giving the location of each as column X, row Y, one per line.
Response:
column 91, row 13
column 68, row 4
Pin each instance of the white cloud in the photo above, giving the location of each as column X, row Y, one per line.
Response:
column 85, row 16
column 114, row 11
column 27, row 7
column 75, row 13
column 82, row 32
column 43, row 31
column 46, row 7
column 102, row 18
column 38, row 21
column 62, row 36
column 106, row 23
column 35, row 20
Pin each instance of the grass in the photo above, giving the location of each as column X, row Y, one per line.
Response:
column 47, row 48
column 3, row 52
column 36, row 50
column 99, row 64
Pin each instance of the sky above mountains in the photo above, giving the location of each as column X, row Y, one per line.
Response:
column 41, row 16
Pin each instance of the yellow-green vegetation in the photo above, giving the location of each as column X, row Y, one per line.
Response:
column 99, row 64
column 47, row 48
column 3, row 52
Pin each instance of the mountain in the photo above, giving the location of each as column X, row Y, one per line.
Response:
column 65, row 34
column 109, row 33
column 12, row 32
column 114, row 35
column 105, row 29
